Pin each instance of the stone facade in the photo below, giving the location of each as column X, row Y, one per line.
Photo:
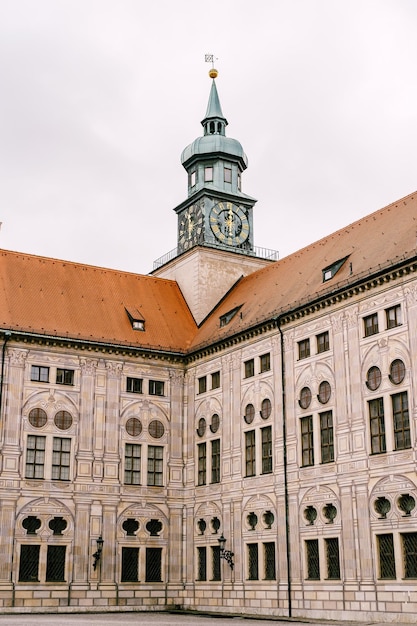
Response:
column 315, row 495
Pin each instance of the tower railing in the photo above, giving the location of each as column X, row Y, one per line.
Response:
column 256, row 252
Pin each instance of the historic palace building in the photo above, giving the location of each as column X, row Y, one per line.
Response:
column 232, row 433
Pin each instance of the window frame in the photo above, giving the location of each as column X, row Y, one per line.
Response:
column 134, row 385
column 156, row 388
column 61, row 459
column 215, row 461
column 401, row 421
column 265, row 362
column 66, row 376
column 303, row 349
column 323, row 342
column 202, row 384
column 250, row 453
column 266, row 444
column 326, row 437
column 249, row 367
column 393, row 316
column 370, row 325
column 215, row 380
column 307, row 440
column 155, row 466
column 377, row 425
column 202, row 464
column 134, row 460
column 39, row 373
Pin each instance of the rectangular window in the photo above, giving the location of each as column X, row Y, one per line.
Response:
column 409, row 544
column 370, row 324
column 332, row 558
column 377, row 425
column 61, row 458
column 269, row 560
column 265, row 362
column 401, row 420
column 134, row 385
column 215, row 461
column 215, row 380
column 193, row 178
column 55, row 564
column 202, row 463
column 249, row 368
column 323, row 342
column 39, row 374
column 202, row 384
column 155, row 465
column 304, row 349
column 266, row 434
column 386, row 556
column 313, row 563
column 156, row 387
column 326, row 437
column 227, row 175
column 130, row 561
column 29, row 563
column 250, row 453
column 153, row 565
column 208, row 174
column 239, row 182
column 132, row 464
column 215, row 563
column 393, row 315
column 253, row 572
column 35, row 456
column 201, row 563
column 307, row 444
column 64, row 377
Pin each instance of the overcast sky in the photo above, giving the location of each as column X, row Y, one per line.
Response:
column 98, row 98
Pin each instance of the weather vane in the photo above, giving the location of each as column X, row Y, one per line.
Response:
column 210, row 58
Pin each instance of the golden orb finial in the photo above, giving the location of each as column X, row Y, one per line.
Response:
column 213, row 73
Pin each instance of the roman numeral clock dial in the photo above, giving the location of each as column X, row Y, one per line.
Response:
column 229, row 223
column 190, row 227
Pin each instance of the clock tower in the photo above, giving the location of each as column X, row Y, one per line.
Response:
column 215, row 245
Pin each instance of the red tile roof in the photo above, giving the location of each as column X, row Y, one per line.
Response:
column 70, row 300
column 380, row 239
column 60, row 298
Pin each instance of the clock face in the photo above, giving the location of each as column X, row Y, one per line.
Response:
column 229, row 223
column 190, row 227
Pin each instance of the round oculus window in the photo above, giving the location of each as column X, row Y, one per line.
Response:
column 201, row 429
column 373, row 378
column 156, row 429
column 249, row 414
column 325, row 392
column 63, row 420
column 133, row 426
column 215, row 423
column 397, row 372
column 37, row 418
column 266, row 408
column 305, row 398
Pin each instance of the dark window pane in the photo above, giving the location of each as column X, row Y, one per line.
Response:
column 269, row 560
column 250, row 460
column 55, row 564
column 202, row 563
column 377, row 425
column 215, row 559
column 253, row 573
column 29, row 563
column 397, row 372
column 313, row 563
column 370, row 324
column 154, row 565
column 386, row 556
column 373, row 378
column 202, row 463
column 326, row 437
column 132, row 464
column 130, row 560
column 307, row 444
column 401, row 420
column 215, row 461
column 266, row 450
column 409, row 541
column 332, row 556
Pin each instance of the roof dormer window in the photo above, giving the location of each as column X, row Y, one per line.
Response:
column 227, row 317
column 135, row 317
column 331, row 270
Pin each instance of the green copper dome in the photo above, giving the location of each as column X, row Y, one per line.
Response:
column 214, row 143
